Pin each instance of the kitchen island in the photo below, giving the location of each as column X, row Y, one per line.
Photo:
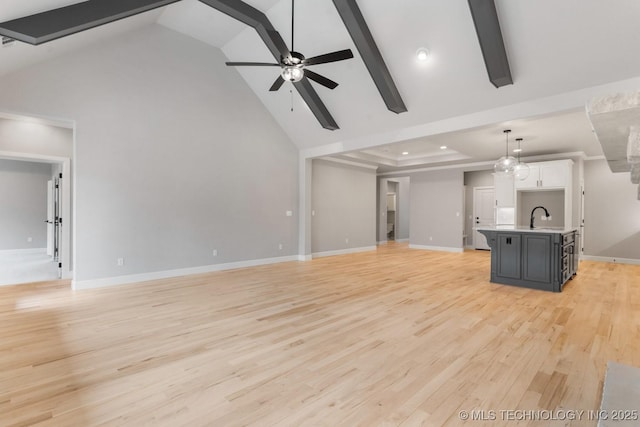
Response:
column 539, row 258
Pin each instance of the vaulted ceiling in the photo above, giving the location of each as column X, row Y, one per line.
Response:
column 554, row 48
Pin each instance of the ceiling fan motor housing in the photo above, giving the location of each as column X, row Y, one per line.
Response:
column 296, row 58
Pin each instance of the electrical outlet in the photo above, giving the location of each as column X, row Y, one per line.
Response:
column 543, row 218
column 29, row 239
column 430, row 238
column 280, row 246
column 346, row 240
column 215, row 252
column 313, row 213
column 120, row 262
column 549, row 218
column 289, row 213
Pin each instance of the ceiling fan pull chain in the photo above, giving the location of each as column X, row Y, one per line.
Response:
column 291, row 92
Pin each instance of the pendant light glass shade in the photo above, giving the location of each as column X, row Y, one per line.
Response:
column 507, row 163
column 521, row 170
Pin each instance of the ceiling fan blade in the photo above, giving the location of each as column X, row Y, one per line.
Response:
column 320, row 79
column 252, row 64
column 277, row 84
column 339, row 55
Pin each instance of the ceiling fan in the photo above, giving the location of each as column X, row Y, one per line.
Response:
column 293, row 66
column 64, row 21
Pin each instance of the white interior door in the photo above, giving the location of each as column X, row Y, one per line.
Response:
column 50, row 219
column 484, row 200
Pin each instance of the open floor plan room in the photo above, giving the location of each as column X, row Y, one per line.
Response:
column 334, row 341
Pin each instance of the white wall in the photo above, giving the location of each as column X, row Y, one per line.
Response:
column 436, row 209
column 344, row 203
column 32, row 137
column 612, row 213
column 23, row 210
column 175, row 156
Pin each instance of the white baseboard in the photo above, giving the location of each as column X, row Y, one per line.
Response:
column 469, row 247
column 437, row 248
column 344, row 251
column 402, row 240
column 305, row 257
column 23, row 251
column 610, row 259
column 166, row 274
column 382, row 242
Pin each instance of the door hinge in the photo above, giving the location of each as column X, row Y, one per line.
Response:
column 60, row 176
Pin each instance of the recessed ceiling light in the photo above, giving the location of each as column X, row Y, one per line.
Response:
column 404, row 153
column 443, row 147
column 422, row 54
column 517, row 150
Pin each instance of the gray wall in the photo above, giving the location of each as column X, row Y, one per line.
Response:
column 23, row 192
column 612, row 213
column 436, row 209
column 552, row 200
column 175, row 156
column 344, row 203
column 471, row 180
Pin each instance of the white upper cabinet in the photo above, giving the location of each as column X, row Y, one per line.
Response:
column 547, row 175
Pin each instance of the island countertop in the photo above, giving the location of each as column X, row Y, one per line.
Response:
column 523, row 229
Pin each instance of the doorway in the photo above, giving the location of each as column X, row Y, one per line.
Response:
column 393, row 203
column 483, row 214
column 392, row 208
column 34, row 240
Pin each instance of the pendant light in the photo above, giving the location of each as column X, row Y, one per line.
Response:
column 521, row 169
column 505, row 165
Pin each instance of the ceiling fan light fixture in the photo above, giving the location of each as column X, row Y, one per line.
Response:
column 292, row 73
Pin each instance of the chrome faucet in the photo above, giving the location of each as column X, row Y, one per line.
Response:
column 546, row 212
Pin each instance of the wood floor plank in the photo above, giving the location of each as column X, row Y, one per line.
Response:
column 389, row 337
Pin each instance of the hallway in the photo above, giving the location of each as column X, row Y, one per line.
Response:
column 25, row 267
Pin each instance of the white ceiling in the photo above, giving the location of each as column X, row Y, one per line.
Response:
column 554, row 47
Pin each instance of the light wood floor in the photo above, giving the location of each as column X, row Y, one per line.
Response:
column 393, row 337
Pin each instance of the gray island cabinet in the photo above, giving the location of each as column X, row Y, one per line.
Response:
column 534, row 258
